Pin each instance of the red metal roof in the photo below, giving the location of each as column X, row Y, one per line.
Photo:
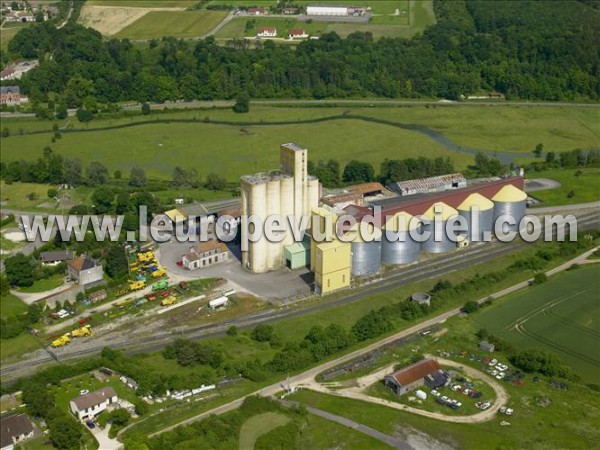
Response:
column 416, row 371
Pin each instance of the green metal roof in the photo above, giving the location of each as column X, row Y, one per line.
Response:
column 297, row 247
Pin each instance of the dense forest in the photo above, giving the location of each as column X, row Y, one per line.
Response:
column 525, row 49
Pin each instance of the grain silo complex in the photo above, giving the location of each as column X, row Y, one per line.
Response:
column 439, row 240
column 397, row 245
column 478, row 211
column 289, row 191
column 510, row 201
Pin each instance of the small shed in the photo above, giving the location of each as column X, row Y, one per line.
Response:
column 98, row 296
column 487, row 346
column 297, row 255
column 422, row 298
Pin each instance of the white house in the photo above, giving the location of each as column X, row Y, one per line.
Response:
column 90, row 405
column 297, row 33
column 327, row 10
column 267, row 32
column 205, row 254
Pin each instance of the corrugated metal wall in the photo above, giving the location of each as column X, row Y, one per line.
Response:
column 366, row 258
column 402, row 251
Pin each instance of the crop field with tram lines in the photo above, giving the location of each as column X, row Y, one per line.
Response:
column 561, row 316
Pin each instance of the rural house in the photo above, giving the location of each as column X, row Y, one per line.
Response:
column 11, row 95
column 14, row 429
column 88, row 406
column 55, row 257
column 266, row 32
column 425, row 372
column 297, row 33
column 84, row 270
column 205, row 254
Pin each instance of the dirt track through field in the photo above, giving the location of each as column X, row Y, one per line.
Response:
column 109, row 20
column 357, row 393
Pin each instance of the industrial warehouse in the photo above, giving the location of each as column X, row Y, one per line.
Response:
column 413, row 207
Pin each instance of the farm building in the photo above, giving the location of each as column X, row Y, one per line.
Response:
column 487, row 346
column 15, row 71
column 89, row 405
column 85, row 270
column 266, row 32
column 55, row 257
column 14, row 429
column 256, row 11
column 430, row 184
column 366, row 189
column 426, row 372
column 205, row 254
column 98, row 296
column 312, row 10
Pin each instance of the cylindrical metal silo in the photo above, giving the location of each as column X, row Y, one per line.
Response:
column 286, row 206
column 274, row 249
column 510, row 201
column 258, row 207
column 366, row 256
column 397, row 246
column 478, row 211
column 439, row 241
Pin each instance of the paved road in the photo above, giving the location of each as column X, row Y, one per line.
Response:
column 310, row 374
column 385, row 438
column 358, row 102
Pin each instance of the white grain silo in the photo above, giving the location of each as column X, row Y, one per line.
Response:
column 258, row 206
column 476, row 209
column 286, row 206
column 273, row 200
column 510, row 201
column 366, row 255
column 314, row 193
column 397, row 246
column 438, row 215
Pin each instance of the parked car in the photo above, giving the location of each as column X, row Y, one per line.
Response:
column 91, row 425
column 493, row 362
column 435, row 393
column 84, row 392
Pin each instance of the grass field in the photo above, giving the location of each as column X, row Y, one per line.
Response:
column 16, row 194
column 561, row 316
column 45, row 284
column 382, row 24
column 236, row 28
column 234, row 150
column 11, row 305
column 143, row 3
column 258, row 425
column 6, row 34
column 585, row 188
column 180, row 24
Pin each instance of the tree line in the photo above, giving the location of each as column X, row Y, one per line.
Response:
column 526, row 50
column 330, row 174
